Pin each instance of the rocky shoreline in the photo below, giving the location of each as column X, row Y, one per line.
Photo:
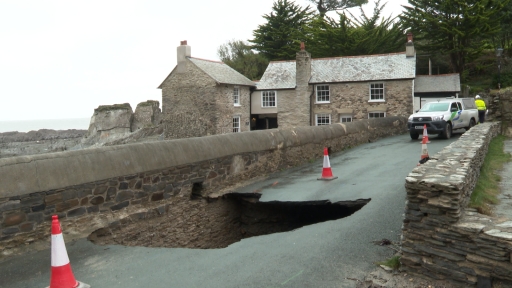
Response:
column 16, row 143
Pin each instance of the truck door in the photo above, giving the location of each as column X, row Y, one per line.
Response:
column 456, row 117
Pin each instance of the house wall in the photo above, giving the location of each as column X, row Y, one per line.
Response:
column 346, row 97
column 194, row 105
column 256, row 102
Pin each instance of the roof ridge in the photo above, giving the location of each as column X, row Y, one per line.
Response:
column 214, row 61
column 360, row 56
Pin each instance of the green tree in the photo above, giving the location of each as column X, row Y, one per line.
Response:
column 238, row 55
column 279, row 38
column 457, row 28
column 352, row 36
column 325, row 6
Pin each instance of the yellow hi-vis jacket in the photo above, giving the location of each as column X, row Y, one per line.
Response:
column 480, row 104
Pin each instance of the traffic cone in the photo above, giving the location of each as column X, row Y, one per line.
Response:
column 424, row 153
column 61, row 274
column 425, row 135
column 326, row 171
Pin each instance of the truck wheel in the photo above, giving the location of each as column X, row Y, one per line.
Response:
column 414, row 135
column 471, row 124
column 447, row 133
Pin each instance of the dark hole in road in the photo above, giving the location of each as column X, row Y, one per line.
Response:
column 210, row 223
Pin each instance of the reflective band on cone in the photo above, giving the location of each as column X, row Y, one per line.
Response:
column 326, row 171
column 425, row 135
column 61, row 273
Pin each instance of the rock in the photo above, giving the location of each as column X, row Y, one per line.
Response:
column 109, row 122
column 147, row 114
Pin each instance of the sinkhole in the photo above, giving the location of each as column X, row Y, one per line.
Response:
column 209, row 223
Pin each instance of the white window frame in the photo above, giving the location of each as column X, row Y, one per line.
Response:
column 322, row 93
column 266, row 103
column 372, row 114
column 346, row 117
column 236, row 124
column 236, row 96
column 375, row 89
column 323, row 116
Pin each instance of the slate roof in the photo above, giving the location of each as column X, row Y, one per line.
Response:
column 221, row 72
column 281, row 74
column 437, row 83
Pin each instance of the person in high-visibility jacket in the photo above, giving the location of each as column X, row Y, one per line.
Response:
column 482, row 109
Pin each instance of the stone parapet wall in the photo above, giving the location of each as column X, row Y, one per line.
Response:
column 90, row 189
column 442, row 238
column 505, row 101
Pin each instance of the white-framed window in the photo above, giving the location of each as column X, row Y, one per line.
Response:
column 236, row 123
column 323, row 119
column 344, row 118
column 236, row 96
column 376, row 115
column 268, row 98
column 322, row 94
column 377, row 92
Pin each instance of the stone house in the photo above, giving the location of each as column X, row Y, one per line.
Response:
column 309, row 92
column 202, row 97
column 428, row 88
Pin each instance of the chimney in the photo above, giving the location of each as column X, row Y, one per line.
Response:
column 183, row 52
column 301, row 104
column 409, row 46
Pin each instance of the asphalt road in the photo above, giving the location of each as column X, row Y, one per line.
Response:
column 321, row 255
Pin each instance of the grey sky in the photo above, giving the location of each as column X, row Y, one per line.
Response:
column 62, row 59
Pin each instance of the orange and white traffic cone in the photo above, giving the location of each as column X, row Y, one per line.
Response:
column 326, row 171
column 424, row 153
column 425, row 135
column 61, row 274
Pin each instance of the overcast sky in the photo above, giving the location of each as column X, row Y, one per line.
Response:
column 62, row 59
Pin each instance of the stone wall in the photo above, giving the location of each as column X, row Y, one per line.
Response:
column 442, row 238
column 93, row 188
column 505, row 100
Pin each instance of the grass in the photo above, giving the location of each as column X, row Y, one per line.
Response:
column 393, row 262
column 487, row 188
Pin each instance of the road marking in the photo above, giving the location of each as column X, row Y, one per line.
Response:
column 292, row 277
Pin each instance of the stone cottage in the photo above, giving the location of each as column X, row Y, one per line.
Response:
column 308, row 92
column 202, row 97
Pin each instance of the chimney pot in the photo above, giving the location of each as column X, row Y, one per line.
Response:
column 302, row 46
column 184, row 42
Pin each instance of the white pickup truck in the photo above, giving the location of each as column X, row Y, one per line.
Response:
column 443, row 116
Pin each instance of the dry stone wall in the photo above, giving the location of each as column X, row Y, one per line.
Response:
column 505, row 100
column 442, row 238
column 91, row 189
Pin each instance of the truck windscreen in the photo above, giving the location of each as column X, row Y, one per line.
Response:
column 432, row 107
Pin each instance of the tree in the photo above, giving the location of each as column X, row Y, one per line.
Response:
column 456, row 28
column 355, row 36
column 280, row 37
column 325, row 6
column 239, row 56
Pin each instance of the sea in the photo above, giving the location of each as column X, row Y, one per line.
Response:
column 54, row 124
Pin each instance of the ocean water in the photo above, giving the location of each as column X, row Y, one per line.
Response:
column 55, row 124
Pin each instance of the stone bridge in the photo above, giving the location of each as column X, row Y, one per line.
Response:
column 104, row 187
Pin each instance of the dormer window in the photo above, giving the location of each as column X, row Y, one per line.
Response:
column 236, row 96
